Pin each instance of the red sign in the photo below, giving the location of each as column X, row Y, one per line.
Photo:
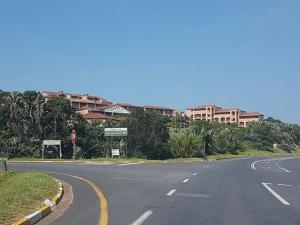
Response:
column 73, row 136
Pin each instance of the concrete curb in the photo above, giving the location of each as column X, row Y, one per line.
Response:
column 48, row 207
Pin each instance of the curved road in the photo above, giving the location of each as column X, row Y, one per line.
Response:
column 250, row 191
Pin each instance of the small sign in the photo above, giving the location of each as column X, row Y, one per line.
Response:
column 115, row 152
column 115, row 132
column 51, row 142
column 73, row 136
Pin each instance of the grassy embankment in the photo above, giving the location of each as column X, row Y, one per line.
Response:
column 241, row 154
column 255, row 153
column 23, row 193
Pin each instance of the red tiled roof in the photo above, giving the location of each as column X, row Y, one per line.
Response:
column 93, row 115
column 50, row 93
column 92, row 109
column 204, row 107
column 127, row 105
column 157, row 107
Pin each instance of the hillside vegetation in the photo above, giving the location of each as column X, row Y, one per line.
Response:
column 26, row 119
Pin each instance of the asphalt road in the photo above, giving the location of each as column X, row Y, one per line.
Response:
column 230, row 192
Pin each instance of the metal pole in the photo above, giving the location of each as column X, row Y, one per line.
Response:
column 43, row 148
column 5, row 166
column 60, row 155
column 73, row 150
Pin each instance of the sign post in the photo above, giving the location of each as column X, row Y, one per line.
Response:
column 73, row 139
column 115, row 152
column 116, row 132
column 51, row 142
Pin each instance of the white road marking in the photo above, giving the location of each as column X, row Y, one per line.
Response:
column 186, row 180
column 270, row 160
column 127, row 164
column 170, row 193
column 285, row 185
column 192, row 195
column 282, row 200
column 285, row 170
column 194, row 174
column 261, row 160
column 143, row 217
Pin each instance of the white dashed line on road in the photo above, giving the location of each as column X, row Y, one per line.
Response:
column 186, row 180
column 282, row 200
column 170, row 193
column 127, row 164
column 285, row 185
column 143, row 217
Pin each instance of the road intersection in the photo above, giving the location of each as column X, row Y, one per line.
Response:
column 247, row 191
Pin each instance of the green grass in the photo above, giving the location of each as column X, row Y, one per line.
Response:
column 23, row 193
column 35, row 159
column 110, row 160
column 254, row 153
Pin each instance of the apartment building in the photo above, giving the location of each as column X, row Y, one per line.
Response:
column 95, row 107
column 79, row 101
column 247, row 117
column 218, row 114
column 162, row 110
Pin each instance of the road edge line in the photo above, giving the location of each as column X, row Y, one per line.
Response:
column 103, row 214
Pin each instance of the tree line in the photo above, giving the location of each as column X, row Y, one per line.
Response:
column 26, row 119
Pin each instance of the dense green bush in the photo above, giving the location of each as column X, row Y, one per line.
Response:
column 186, row 144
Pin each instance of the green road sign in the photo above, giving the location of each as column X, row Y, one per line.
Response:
column 115, row 132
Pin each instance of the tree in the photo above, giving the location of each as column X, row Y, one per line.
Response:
column 92, row 141
column 147, row 135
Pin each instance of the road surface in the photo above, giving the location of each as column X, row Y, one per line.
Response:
column 248, row 191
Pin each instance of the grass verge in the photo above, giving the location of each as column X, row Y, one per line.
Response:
column 254, row 153
column 241, row 154
column 23, row 193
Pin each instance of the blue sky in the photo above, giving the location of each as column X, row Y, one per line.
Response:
column 175, row 53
